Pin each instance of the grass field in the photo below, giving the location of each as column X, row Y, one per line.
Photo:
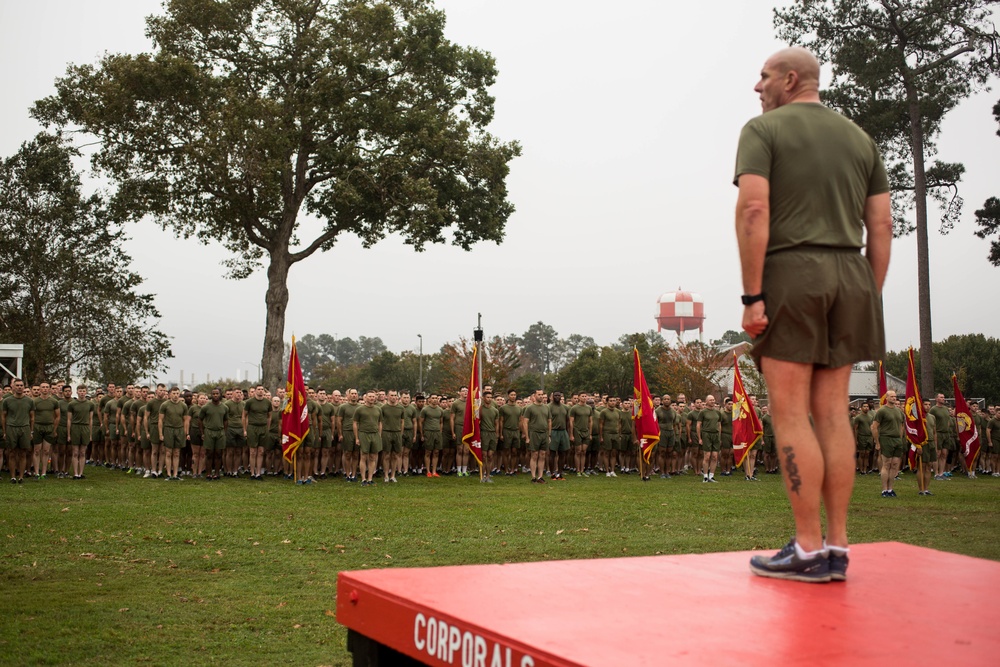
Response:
column 119, row 570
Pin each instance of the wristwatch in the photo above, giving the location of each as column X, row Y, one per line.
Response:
column 749, row 299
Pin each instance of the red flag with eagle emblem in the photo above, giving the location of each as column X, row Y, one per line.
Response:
column 747, row 429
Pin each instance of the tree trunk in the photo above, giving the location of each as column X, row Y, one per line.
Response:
column 276, row 300
column 923, row 263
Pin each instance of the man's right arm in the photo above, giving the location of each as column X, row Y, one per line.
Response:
column 753, row 229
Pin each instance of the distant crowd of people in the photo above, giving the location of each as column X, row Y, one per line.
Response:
column 171, row 434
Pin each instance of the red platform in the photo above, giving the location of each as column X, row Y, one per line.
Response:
column 901, row 605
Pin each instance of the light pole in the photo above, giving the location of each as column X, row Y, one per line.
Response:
column 255, row 364
column 420, row 382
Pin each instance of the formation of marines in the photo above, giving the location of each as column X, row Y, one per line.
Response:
column 169, row 433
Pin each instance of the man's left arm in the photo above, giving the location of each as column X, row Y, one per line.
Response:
column 753, row 226
column 878, row 228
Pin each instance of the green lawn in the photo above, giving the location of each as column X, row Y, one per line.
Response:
column 120, row 570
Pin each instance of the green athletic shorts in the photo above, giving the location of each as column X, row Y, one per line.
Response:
column 432, row 441
column 768, row 444
column 256, row 435
column 173, row 437
column 44, row 433
column 489, row 443
column 370, row 443
column 865, row 444
column 928, row 453
column 392, row 441
column 326, row 441
column 407, row 438
column 727, row 440
column 348, row 444
column 711, row 442
column 609, row 442
column 823, row 308
column 215, row 440
column 581, row 438
column 947, row 441
column 537, row 441
column 511, row 439
column 891, row 447
column 272, row 440
column 18, row 437
column 79, row 436
column 558, row 441
column 235, row 437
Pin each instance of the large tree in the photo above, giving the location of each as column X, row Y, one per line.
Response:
column 251, row 115
column 67, row 292
column 898, row 68
column 988, row 217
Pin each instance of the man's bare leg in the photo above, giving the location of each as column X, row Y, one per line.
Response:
column 801, row 460
column 833, row 428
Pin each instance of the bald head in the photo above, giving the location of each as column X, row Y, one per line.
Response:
column 790, row 75
column 799, row 60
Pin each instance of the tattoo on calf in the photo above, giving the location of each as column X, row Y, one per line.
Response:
column 794, row 481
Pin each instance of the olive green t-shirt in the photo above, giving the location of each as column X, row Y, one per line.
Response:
column 559, row 414
column 392, row 418
column 890, row 421
column 611, row 421
column 710, row 420
column 257, row 411
column 80, row 411
column 581, row 417
column 368, row 418
column 45, row 411
column 994, row 429
column 863, row 426
column 941, row 418
column 767, row 425
column 213, row 417
column 18, row 410
column 431, row 416
column 457, row 411
column 409, row 414
column 511, row 416
column 173, row 413
column 110, row 411
column 194, row 412
column 346, row 414
column 488, row 415
column 821, row 169
column 235, row 414
column 153, row 410
column 537, row 415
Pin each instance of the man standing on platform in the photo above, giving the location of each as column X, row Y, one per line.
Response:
column 808, row 178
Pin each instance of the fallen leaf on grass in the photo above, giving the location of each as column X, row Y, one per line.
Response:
column 282, row 604
column 286, row 541
column 297, row 626
column 560, row 531
column 388, row 556
column 123, row 610
column 65, row 509
column 88, row 556
column 330, row 613
column 339, row 546
column 192, row 542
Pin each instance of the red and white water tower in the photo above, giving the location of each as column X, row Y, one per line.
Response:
column 681, row 311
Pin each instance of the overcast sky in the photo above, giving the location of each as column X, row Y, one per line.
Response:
column 628, row 114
